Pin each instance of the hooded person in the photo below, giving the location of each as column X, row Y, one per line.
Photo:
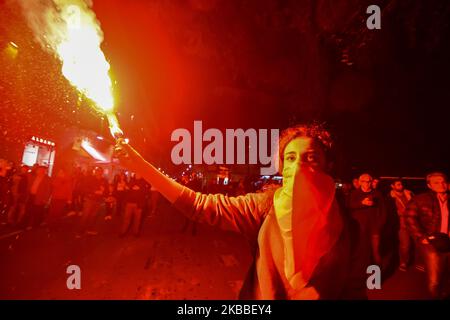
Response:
column 300, row 238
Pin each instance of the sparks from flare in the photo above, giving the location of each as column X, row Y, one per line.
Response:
column 83, row 61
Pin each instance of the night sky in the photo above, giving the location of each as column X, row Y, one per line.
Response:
column 384, row 94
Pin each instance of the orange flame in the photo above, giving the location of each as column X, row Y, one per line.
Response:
column 73, row 33
column 114, row 127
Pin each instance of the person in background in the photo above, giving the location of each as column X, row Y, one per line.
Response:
column 427, row 218
column 366, row 207
column 355, row 183
column 95, row 192
column 120, row 190
column 134, row 203
column 39, row 196
column 110, row 203
column 301, row 243
column 19, row 196
column 62, row 191
column 401, row 197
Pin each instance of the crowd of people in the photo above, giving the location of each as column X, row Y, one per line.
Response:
column 30, row 198
column 396, row 228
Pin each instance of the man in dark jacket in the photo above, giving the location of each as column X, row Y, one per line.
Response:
column 5, row 187
column 366, row 206
column 427, row 217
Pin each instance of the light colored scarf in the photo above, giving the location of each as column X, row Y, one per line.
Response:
column 309, row 220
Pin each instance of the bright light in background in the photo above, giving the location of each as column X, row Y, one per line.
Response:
column 92, row 151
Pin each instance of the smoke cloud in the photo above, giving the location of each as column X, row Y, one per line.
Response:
column 50, row 19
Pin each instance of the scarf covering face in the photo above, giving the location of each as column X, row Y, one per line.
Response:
column 316, row 223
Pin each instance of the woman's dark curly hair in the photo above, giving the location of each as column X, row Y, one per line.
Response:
column 316, row 132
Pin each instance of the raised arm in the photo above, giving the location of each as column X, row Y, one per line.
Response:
column 243, row 214
column 131, row 159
